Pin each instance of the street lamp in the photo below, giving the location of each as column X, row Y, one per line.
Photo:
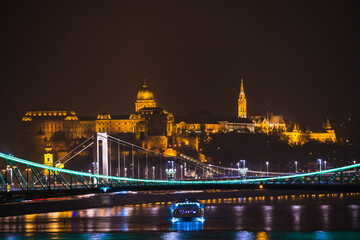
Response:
column 238, row 165
column 267, row 168
column 319, row 161
column 90, row 173
column 94, row 167
column 295, row 166
column 153, row 168
column 181, row 172
column 210, row 170
column 324, row 165
column 125, row 172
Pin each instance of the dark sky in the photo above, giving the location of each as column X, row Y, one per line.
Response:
column 301, row 57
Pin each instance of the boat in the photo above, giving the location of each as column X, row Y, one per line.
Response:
column 187, row 211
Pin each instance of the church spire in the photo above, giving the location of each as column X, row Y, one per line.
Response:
column 327, row 125
column 242, row 87
column 145, row 84
column 296, row 127
column 242, row 109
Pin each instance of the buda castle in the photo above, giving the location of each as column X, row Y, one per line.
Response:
column 156, row 128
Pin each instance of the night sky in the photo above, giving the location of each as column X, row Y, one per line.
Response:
column 300, row 57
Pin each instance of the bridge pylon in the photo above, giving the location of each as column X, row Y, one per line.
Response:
column 101, row 153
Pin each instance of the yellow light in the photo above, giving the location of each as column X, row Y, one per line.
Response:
column 261, row 186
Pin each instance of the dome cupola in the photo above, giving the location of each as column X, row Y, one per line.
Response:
column 145, row 93
column 145, row 98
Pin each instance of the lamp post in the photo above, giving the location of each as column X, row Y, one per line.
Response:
column 210, row 170
column 354, row 164
column 181, row 172
column 125, row 173
column 324, row 165
column 238, row 165
column 319, row 161
column 89, row 177
column 94, row 167
column 267, row 168
column 153, row 172
column 295, row 166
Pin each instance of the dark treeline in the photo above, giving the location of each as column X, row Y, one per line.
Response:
column 228, row 149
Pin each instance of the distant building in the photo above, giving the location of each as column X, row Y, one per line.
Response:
column 146, row 122
column 275, row 124
column 242, row 104
column 156, row 128
column 269, row 124
column 297, row 137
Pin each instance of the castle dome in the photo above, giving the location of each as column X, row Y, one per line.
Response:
column 145, row 93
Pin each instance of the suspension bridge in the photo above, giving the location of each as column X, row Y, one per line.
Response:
column 120, row 165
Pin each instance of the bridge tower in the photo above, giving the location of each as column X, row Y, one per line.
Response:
column 48, row 157
column 171, row 170
column 101, row 150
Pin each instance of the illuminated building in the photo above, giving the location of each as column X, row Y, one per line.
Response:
column 275, row 124
column 150, row 124
column 145, row 98
column 269, row 124
column 297, row 137
column 242, row 110
column 156, row 128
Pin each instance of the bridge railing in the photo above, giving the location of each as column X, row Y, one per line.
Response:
column 24, row 175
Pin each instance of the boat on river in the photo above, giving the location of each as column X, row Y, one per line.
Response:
column 187, row 211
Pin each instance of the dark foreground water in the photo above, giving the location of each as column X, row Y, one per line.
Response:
column 321, row 216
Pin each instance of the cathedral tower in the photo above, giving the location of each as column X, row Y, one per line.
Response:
column 242, row 111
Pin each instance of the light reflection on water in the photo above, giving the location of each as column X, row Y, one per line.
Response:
column 296, row 213
column 253, row 217
column 187, row 226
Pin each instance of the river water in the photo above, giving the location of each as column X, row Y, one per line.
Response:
column 315, row 216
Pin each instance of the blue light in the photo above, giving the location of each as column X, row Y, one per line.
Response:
column 187, row 226
column 174, row 219
column 200, row 219
column 104, row 189
column 121, row 192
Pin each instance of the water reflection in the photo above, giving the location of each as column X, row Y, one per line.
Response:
column 321, row 235
column 325, row 209
column 268, row 217
column 296, row 211
column 278, row 213
column 244, row 235
column 187, row 226
column 262, row 236
column 355, row 215
column 239, row 213
column 171, row 236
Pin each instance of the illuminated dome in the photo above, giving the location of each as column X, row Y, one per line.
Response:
column 145, row 93
column 145, row 98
